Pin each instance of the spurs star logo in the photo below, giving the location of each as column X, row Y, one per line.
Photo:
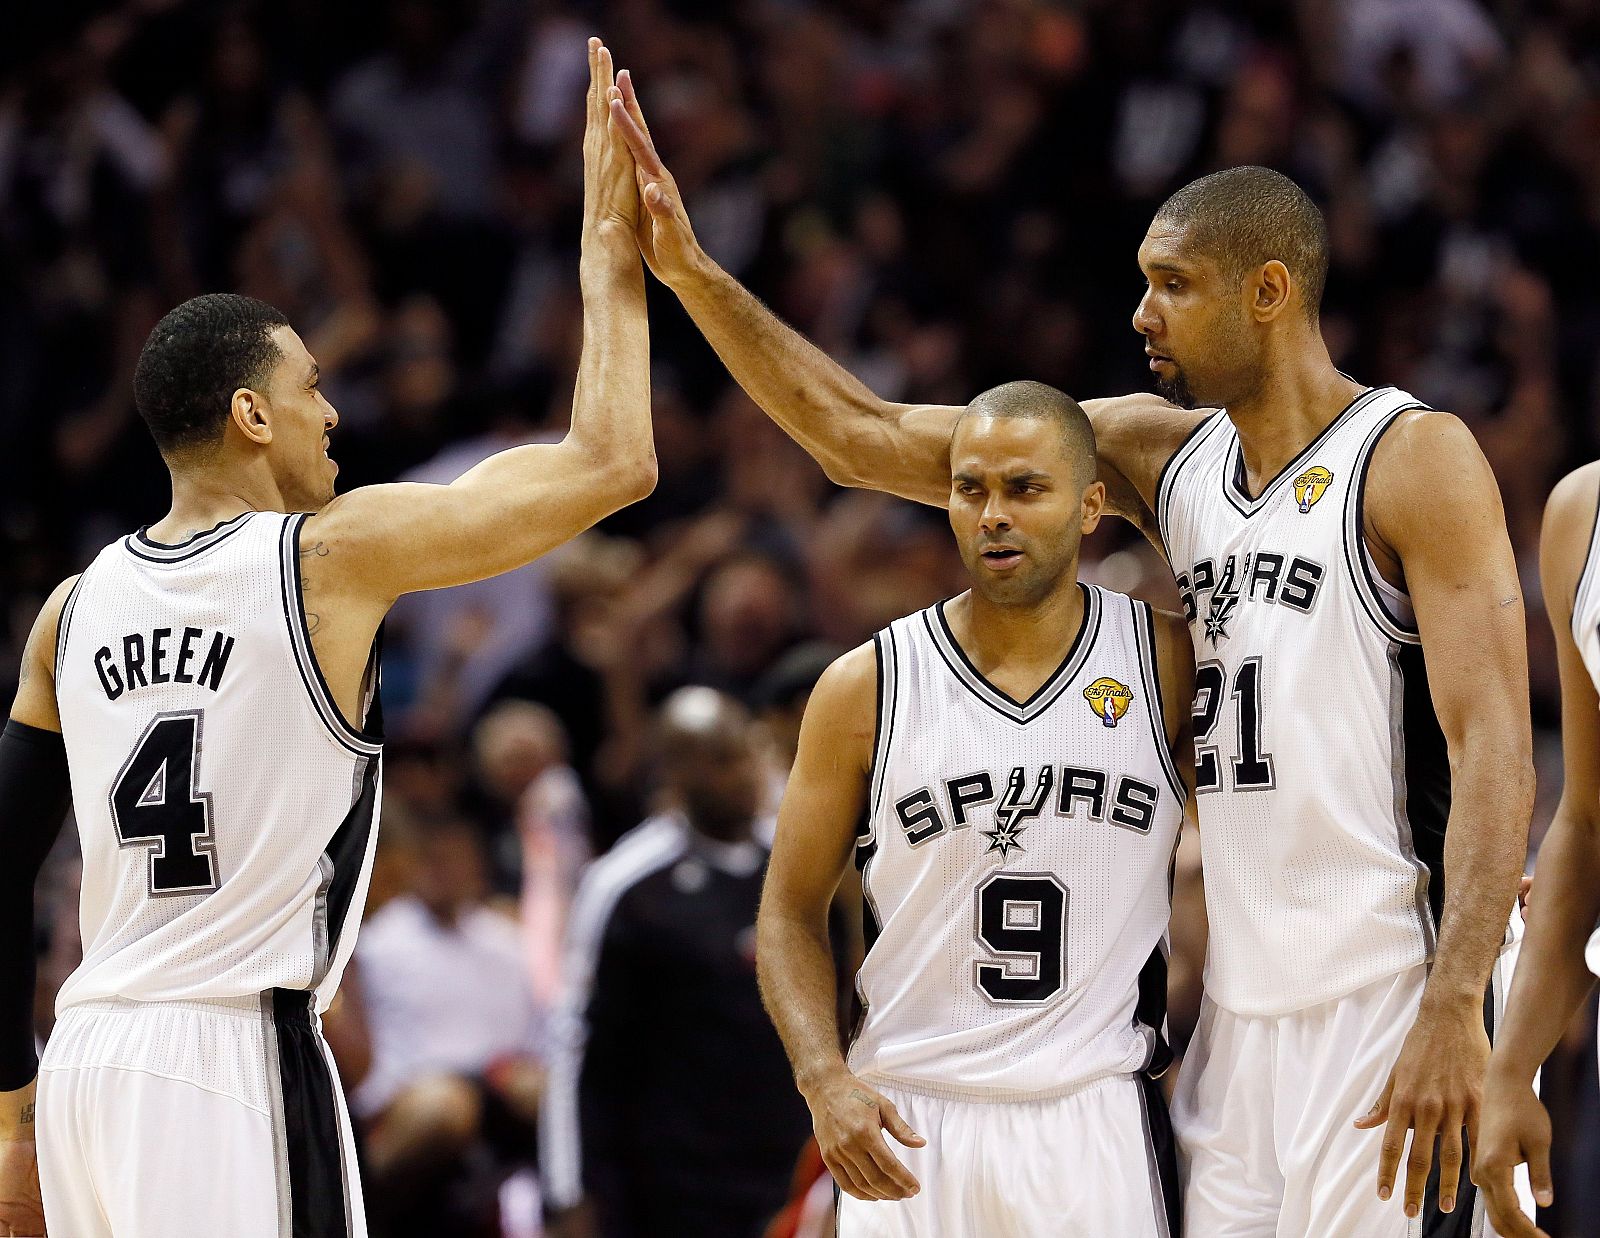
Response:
column 1012, row 816
column 1222, row 607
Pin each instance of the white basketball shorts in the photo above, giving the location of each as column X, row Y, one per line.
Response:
column 195, row 1120
column 1096, row 1162
column 1264, row 1112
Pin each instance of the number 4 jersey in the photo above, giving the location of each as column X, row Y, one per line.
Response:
column 1016, row 860
column 226, row 811
column 1321, row 772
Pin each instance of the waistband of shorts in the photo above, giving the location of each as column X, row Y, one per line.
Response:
column 237, row 1007
column 939, row 1091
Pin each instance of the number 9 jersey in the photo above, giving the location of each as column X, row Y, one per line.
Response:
column 1016, row 861
column 226, row 811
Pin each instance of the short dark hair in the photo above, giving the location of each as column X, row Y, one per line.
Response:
column 195, row 359
column 1043, row 402
column 1246, row 217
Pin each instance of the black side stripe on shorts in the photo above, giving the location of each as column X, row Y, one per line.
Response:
column 1162, row 1145
column 310, row 1146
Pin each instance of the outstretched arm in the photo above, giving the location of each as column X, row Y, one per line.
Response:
column 816, row 829
column 383, row 541
column 1458, row 566
column 858, row 438
column 1551, row 978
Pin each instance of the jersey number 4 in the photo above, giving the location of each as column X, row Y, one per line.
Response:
column 1022, row 919
column 1252, row 768
column 156, row 804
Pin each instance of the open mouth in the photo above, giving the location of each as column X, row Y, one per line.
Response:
column 1001, row 557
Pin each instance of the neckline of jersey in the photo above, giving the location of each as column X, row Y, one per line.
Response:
column 1233, row 461
column 142, row 534
column 1023, row 710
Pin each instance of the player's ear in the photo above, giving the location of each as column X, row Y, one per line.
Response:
column 248, row 412
column 1094, row 506
column 1270, row 289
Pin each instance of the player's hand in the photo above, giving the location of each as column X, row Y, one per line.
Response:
column 1515, row 1128
column 21, row 1208
column 849, row 1119
column 610, row 196
column 1435, row 1089
column 665, row 236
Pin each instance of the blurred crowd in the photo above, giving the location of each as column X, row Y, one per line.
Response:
column 944, row 194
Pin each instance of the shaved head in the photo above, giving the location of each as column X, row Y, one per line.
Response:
column 1243, row 218
column 1036, row 401
column 710, row 761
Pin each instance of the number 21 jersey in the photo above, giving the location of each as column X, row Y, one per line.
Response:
column 1321, row 772
column 1016, row 861
column 226, row 811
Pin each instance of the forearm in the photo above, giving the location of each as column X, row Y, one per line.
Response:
column 1485, row 846
column 854, row 435
column 611, row 402
column 1551, row 978
column 796, row 971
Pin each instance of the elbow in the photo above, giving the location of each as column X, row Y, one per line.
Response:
column 637, row 478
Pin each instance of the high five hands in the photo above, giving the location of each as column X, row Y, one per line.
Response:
column 665, row 236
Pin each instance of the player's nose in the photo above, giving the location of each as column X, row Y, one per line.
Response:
column 1144, row 322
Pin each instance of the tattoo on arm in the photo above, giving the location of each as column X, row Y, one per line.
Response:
column 320, row 550
column 26, row 1117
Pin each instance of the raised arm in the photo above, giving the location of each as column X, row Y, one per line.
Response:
column 383, row 541
column 1459, row 569
column 824, row 800
column 1551, row 977
column 858, row 438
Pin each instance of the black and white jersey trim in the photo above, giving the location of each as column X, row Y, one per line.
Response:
column 359, row 742
column 1585, row 578
column 1020, row 712
column 1174, row 465
column 1233, row 476
column 64, row 621
column 888, row 663
column 1144, row 626
column 141, row 546
column 1161, row 1145
column 1355, row 556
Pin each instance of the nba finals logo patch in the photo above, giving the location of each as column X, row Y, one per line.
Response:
column 1109, row 699
column 1309, row 486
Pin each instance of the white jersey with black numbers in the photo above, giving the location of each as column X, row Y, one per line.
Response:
column 1016, row 861
column 227, row 812
column 1322, row 774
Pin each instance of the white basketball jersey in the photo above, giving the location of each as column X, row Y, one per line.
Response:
column 227, row 812
column 1322, row 773
column 1586, row 633
column 1016, row 859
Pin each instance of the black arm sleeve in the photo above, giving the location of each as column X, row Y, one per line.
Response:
column 34, row 791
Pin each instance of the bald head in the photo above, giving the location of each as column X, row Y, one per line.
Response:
column 1243, row 218
column 1039, row 402
column 710, row 761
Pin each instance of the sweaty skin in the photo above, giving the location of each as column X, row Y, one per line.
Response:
column 1254, row 347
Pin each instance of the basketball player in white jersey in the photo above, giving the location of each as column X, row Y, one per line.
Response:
column 1355, row 609
column 1561, row 953
column 1003, row 766
column 209, row 687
